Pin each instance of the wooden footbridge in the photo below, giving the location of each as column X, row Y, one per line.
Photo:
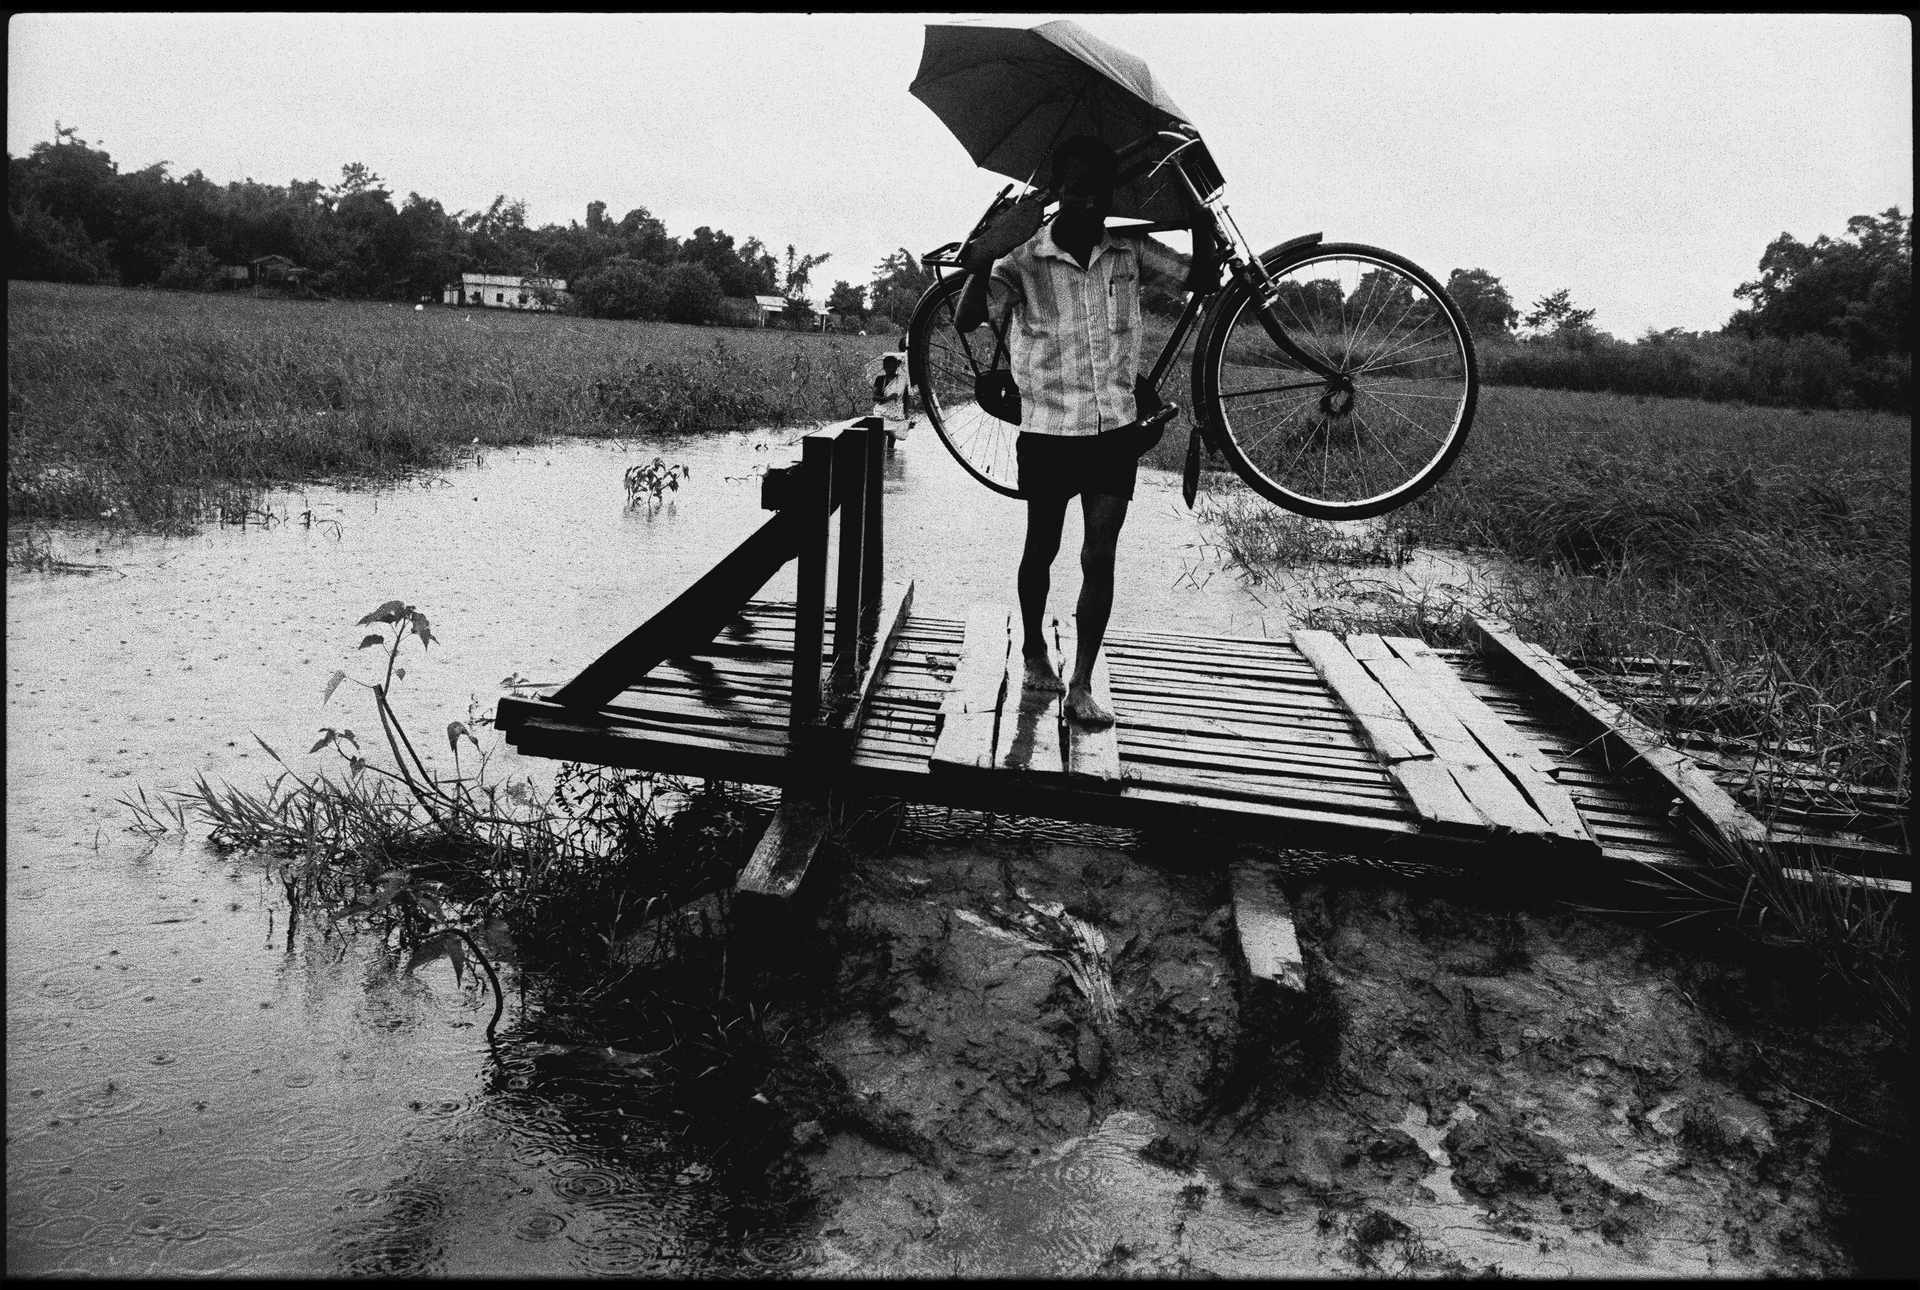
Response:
column 1499, row 758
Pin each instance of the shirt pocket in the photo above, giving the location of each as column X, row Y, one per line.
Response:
column 1121, row 302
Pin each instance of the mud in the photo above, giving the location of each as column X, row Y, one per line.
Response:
column 1043, row 1065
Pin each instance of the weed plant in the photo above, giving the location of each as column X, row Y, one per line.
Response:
column 613, row 888
column 145, row 407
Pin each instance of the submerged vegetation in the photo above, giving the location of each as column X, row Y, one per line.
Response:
column 158, row 409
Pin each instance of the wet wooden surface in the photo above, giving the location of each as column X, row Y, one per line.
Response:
column 1240, row 736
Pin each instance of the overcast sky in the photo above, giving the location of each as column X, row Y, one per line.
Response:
column 1643, row 161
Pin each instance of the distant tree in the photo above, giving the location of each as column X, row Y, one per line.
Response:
column 898, row 283
column 1379, row 294
column 1485, row 304
column 355, row 178
column 738, row 270
column 597, row 218
column 799, row 270
column 845, row 298
column 690, row 294
column 1857, row 289
column 1321, row 297
column 1554, row 315
column 622, row 288
column 192, row 269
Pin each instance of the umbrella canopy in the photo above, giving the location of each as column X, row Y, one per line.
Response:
column 1009, row 94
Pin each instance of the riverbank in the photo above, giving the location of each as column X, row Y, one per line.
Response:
column 155, row 409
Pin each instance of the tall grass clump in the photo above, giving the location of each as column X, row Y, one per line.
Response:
column 1764, row 551
column 1810, row 371
column 136, row 406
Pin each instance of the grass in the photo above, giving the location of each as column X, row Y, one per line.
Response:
column 1765, row 550
column 144, row 408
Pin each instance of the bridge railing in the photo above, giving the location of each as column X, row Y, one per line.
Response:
column 839, row 470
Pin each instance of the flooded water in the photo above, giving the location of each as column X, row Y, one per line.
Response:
column 195, row 1088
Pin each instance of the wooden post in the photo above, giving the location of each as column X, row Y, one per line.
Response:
column 814, row 505
column 872, row 577
column 851, row 482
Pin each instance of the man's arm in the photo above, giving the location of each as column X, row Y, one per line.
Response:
column 1005, row 229
column 973, row 297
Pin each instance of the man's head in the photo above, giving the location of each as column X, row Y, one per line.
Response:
column 890, row 362
column 1083, row 174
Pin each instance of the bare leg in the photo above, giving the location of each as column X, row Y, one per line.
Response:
column 1103, row 515
column 1044, row 519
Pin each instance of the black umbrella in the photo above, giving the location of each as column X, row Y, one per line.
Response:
column 1009, row 94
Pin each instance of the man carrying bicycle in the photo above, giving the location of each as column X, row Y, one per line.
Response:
column 1075, row 347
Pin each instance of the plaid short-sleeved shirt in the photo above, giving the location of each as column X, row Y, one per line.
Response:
column 1074, row 338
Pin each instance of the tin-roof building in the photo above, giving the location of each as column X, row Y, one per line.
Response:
column 505, row 291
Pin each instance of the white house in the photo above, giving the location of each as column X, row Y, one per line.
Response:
column 770, row 307
column 500, row 291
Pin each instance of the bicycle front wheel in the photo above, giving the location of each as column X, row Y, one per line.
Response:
column 944, row 366
column 1378, row 433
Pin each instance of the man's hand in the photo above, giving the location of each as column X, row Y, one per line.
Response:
column 1004, row 230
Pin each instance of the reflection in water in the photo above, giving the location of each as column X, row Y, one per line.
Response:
column 200, row 1085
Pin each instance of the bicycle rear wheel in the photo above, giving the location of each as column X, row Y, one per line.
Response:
column 944, row 365
column 1372, row 438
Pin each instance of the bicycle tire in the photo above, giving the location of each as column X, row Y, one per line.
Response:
column 942, row 364
column 1323, row 449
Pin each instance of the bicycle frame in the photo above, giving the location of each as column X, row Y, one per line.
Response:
column 1206, row 191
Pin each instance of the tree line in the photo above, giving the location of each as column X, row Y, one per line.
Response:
column 1826, row 322
column 75, row 216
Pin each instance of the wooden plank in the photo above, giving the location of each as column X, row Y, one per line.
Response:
column 1263, row 923
column 798, row 831
column 1272, row 792
column 691, row 619
column 1531, row 769
column 1484, row 783
column 1031, row 742
column 895, row 604
column 1436, row 799
column 811, row 505
column 1386, row 729
column 1092, row 756
column 969, row 714
column 1708, row 805
column 1860, row 882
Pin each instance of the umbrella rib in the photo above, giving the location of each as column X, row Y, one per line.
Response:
column 1009, row 132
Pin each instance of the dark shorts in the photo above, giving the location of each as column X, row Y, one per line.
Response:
column 1061, row 465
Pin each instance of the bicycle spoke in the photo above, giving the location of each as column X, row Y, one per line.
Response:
column 1272, row 389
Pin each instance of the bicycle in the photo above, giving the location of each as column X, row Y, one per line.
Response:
column 1338, row 380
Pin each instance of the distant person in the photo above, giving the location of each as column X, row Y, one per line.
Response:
column 891, row 398
column 1074, row 290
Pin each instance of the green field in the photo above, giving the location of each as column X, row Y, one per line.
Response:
column 154, row 405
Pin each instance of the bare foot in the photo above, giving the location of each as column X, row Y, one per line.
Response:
column 1085, row 710
column 1041, row 676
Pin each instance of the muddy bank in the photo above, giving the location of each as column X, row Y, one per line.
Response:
column 1033, row 1057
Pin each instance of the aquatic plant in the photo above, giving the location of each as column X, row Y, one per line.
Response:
column 652, row 481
